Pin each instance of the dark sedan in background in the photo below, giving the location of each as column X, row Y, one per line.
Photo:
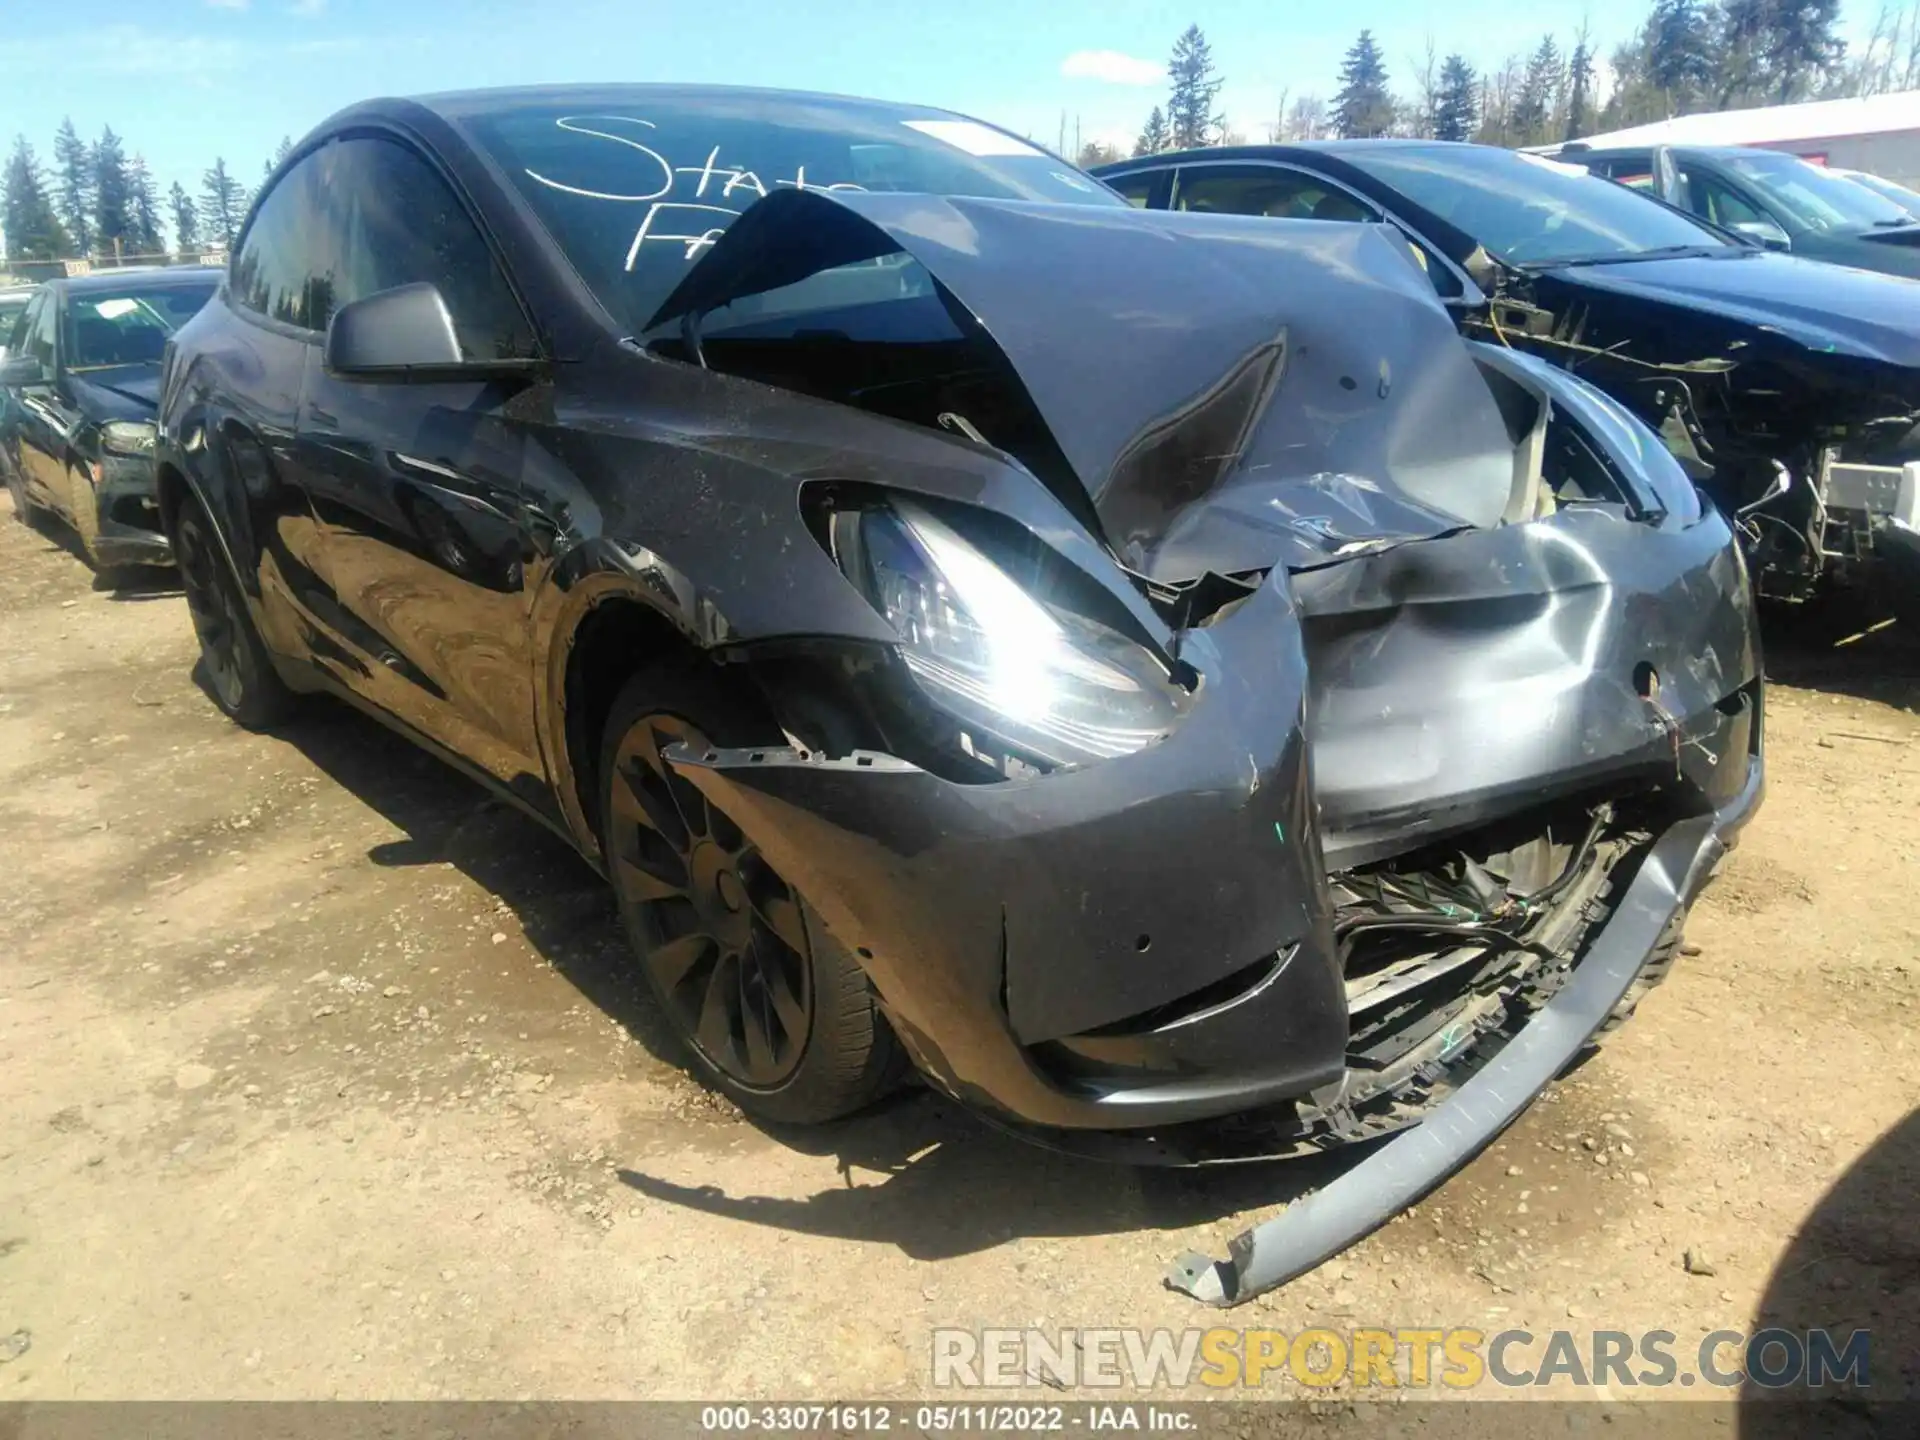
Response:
column 82, row 378
column 1789, row 389
column 1778, row 200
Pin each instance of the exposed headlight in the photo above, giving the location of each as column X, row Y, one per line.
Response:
column 1031, row 684
column 1635, row 445
column 127, row 437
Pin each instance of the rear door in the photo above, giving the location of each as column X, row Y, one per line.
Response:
column 416, row 485
column 277, row 292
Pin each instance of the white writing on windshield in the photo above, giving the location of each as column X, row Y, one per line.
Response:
column 686, row 205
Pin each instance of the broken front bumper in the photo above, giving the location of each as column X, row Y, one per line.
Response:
column 128, row 513
column 1313, row 1230
column 1139, row 943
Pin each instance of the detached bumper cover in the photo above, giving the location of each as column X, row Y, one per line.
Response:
column 1310, row 1232
column 1139, row 943
column 129, row 514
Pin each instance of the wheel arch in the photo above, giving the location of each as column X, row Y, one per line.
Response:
column 609, row 632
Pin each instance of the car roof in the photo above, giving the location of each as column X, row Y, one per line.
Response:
column 463, row 104
column 151, row 277
column 1577, row 151
column 1290, row 147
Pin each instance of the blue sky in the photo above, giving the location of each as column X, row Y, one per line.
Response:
column 185, row 80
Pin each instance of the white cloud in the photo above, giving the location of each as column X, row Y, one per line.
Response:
column 307, row 7
column 229, row 4
column 1113, row 68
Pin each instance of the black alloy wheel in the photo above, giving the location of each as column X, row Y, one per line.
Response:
column 722, row 935
column 239, row 675
column 773, row 1009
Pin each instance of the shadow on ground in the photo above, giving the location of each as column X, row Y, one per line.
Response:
column 1855, row 1265
column 564, row 908
column 1844, row 650
column 921, row 1173
column 117, row 582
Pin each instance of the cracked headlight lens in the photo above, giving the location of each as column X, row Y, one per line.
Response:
column 1028, row 681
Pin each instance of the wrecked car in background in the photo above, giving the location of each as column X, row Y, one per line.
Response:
column 1148, row 672
column 1790, row 390
column 81, row 377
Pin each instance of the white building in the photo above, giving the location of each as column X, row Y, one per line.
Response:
column 1876, row 133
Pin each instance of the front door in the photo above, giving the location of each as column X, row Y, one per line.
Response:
column 45, row 418
column 416, row 486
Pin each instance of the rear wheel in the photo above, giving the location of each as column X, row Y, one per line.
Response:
column 239, row 675
column 772, row 1009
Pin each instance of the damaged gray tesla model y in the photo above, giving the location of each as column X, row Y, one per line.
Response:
column 1146, row 671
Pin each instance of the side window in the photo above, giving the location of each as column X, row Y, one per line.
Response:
column 1266, row 190
column 1635, row 171
column 40, row 341
column 20, row 340
column 282, row 268
column 1137, row 188
column 1719, row 203
column 22, row 326
column 396, row 222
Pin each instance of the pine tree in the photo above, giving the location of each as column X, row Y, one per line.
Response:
column 1579, row 91
column 1679, row 50
column 1539, row 91
column 1456, row 113
column 222, row 204
column 144, row 208
column 186, row 223
column 1740, row 50
column 1803, row 47
column 1191, row 121
column 73, row 186
column 1153, row 139
column 284, row 149
column 1363, row 108
column 112, row 197
column 33, row 228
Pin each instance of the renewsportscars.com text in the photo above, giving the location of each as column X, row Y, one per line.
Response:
column 1454, row 1358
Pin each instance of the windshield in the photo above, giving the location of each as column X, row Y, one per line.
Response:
column 129, row 329
column 635, row 193
column 1817, row 199
column 1900, row 195
column 1526, row 210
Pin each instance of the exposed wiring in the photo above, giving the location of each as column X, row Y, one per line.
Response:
column 1448, row 910
column 1472, row 928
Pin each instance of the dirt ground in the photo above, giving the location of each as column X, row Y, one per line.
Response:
column 325, row 1075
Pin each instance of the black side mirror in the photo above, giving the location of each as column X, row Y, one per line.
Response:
column 20, row 370
column 405, row 333
column 389, row 335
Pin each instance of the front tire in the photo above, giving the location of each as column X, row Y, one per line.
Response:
column 772, row 1010
column 24, row 509
column 239, row 674
column 85, row 509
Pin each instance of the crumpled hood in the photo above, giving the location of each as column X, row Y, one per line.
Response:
column 1232, row 392
column 1826, row 308
column 124, row 392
